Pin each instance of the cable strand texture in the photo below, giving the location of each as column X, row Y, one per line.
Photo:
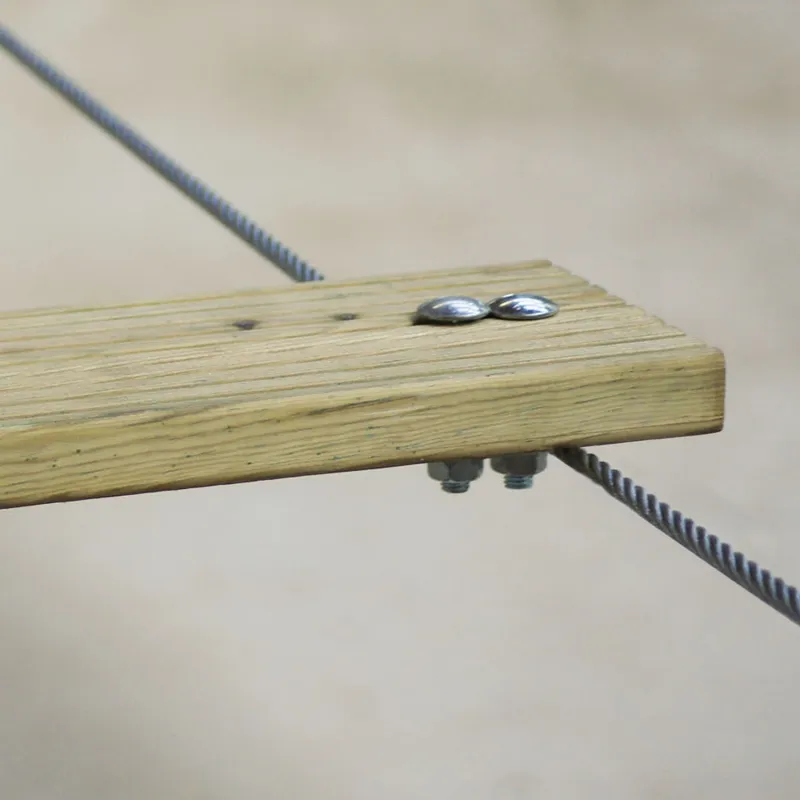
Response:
column 750, row 576
column 233, row 219
column 761, row 583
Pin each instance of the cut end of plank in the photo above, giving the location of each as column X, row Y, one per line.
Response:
column 332, row 377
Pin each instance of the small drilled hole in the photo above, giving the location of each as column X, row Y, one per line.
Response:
column 245, row 324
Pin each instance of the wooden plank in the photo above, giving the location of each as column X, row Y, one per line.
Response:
column 329, row 377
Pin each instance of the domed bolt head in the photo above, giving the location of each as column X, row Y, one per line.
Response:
column 452, row 310
column 522, row 307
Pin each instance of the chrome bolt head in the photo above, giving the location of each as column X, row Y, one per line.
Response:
column 523, row 306
column 452, row 310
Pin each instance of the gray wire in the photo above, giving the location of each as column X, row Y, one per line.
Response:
column 222, row 210
column 749, row 575
column 775, row 592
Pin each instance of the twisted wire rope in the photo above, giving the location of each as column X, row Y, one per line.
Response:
column 234, row 220
column 760, row 582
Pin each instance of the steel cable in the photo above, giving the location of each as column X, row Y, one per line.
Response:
column 775, row 592
column 233, row 219
column 761, row 583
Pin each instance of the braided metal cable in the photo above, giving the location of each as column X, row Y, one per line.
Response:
column 233, row 219
column 775, row 592
column 747, row 574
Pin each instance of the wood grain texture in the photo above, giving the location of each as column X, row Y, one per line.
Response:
column 329, row 377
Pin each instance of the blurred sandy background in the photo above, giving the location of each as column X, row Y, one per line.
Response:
column 364, row 636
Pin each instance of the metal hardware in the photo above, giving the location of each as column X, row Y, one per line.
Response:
column 451, row 310
column 456, row 476
column 518, row 469
column 522, row 307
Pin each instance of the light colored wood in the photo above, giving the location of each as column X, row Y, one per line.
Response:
column 110, row 401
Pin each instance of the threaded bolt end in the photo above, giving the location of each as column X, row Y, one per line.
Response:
column 518, row 481
column 455, row 487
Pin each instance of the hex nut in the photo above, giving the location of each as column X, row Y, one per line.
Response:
column 464, row 469
column 520, row 463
